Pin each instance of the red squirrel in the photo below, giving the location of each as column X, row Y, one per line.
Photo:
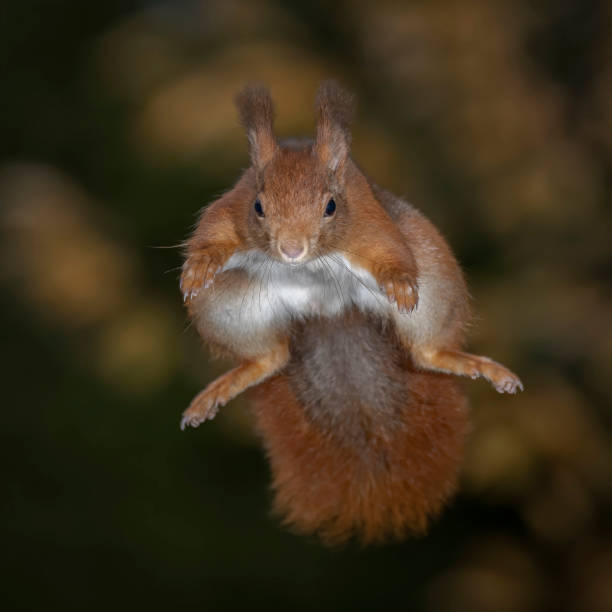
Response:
column 346, row 309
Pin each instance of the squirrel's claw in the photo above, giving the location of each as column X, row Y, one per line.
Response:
column 403, row 291
column 502, row 379
column 195, row 420
column 511, row 383
column 203, row 408
column 199, row 272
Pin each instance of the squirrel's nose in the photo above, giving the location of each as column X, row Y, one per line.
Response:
column 292, row 251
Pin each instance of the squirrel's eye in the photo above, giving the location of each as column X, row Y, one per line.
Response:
column 258, row 208
column 330, row 209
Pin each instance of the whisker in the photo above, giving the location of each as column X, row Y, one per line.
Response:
column 266, row 275
column 262, row 274
column 326, row 265
column 253, row 278
column 180, row 245
column 190, row 324
column 287, row 309
column 374, row 295
column 266, row 282
column 172, row 269
column 269, row 285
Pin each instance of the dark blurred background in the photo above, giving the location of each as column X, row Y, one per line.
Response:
column 117, row 125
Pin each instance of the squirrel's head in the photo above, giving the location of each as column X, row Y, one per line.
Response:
column 299, row 210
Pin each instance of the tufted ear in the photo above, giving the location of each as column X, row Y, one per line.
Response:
column 256, row 111
column 334, row 111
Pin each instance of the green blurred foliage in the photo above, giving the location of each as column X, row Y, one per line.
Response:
column 117, row 125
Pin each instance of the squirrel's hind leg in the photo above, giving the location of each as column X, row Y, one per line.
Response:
column 466, row 364
column 206, row 404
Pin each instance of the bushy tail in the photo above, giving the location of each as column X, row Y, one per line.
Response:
column 386, row 486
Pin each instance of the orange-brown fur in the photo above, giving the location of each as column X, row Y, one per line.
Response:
column 388, row 492
column 384, row 477
column 350, row 322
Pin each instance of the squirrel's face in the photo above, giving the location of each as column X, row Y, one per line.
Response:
column 299, row 211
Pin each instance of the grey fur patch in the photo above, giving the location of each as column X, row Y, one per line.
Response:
column 348, row 373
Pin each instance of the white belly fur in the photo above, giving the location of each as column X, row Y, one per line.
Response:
column 325, row 287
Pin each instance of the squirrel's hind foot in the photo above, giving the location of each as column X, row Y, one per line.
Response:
column 472, row 366
column 206, row 404
column 203, row 407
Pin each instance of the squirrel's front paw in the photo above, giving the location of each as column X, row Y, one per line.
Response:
column 199, row 272
column 401, row 289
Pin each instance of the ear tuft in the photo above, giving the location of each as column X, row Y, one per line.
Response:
column 334, row 108
column 256, row 111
